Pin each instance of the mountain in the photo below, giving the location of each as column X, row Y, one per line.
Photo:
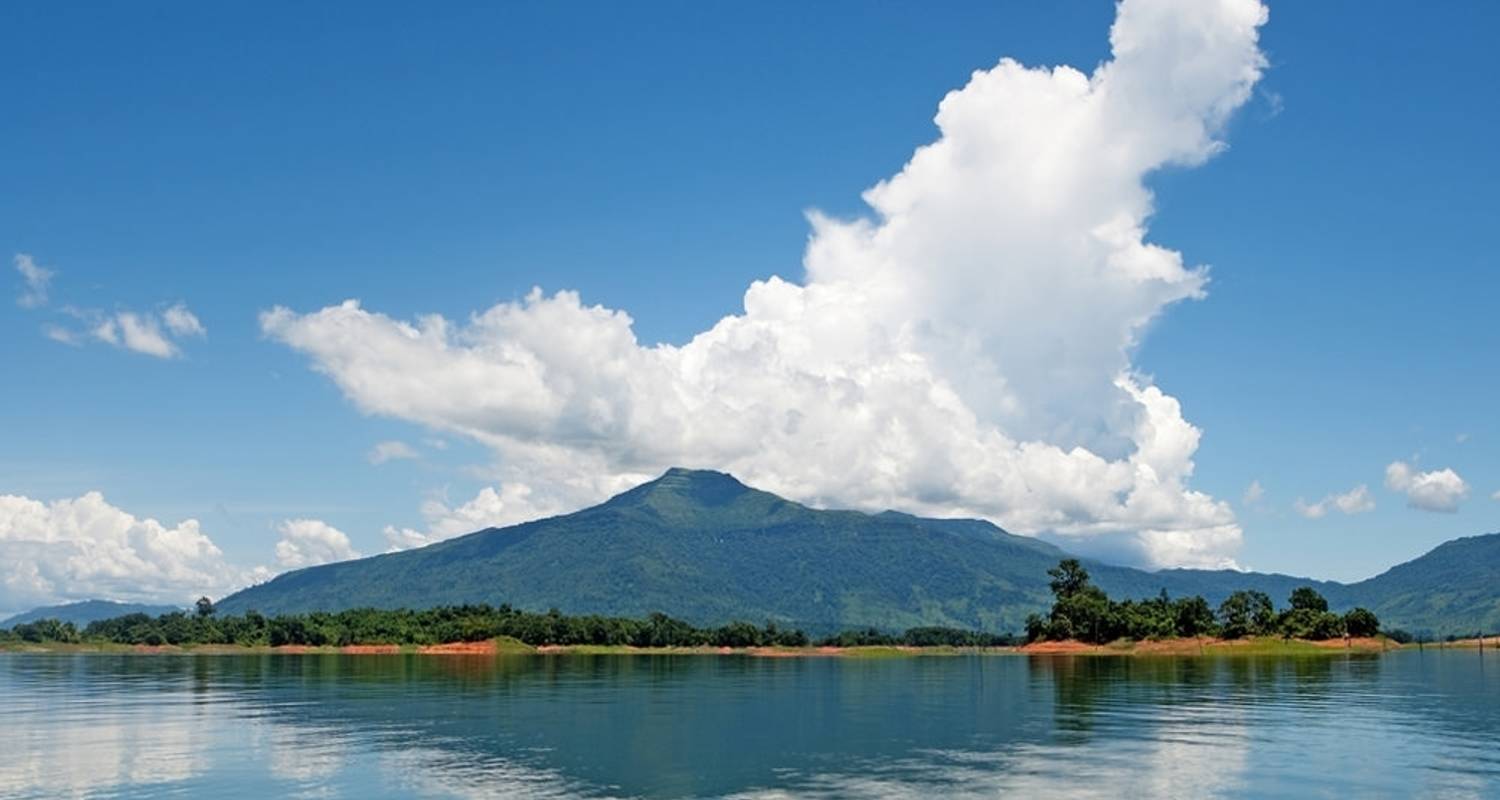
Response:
column 704, row 547
column 86, row 611
column 1455, row 587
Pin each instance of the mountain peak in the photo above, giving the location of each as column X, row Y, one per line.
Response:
column 701, row 498
column 703, row 487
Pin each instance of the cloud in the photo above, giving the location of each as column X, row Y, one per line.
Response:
column 1355, row 501
column 491, row 508
column 146, row 333
column 390, row 451
column 35, row 281
column 182, row 322
column 1496, row 495
column 58, row 333
column 1254, row 493
column 309, row 542
column 141, row 332
column 963, row 350
column 1439, row 490
column 80, row 548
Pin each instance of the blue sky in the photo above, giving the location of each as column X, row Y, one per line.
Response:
column 658, row 160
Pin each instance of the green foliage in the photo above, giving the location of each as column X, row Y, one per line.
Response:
column 1247, row 613
column 447, row 624
column 465, row 624
column 1306, row 598
column 45, row 630
column 1361, row 622
column 1083, row 611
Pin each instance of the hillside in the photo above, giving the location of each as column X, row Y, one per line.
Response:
column 1453, row 588
column 86, row 611
column 704, row 547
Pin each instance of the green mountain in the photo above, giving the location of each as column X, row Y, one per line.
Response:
column 86, row 611
column 703, row 547
column 1453, row 588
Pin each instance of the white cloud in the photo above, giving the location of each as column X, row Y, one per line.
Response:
column 83, row 547
column 35, row 281
column 309, row 542
column 1496, row 495
column 182, row 322
column 140, row 332
column 1355, row 501
column 1439, row 490
column 491, row 508
column 1254, row 493
column 390, row 451
column 963, row 350
column 57, row 333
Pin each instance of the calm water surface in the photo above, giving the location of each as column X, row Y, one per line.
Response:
column 1403, row 724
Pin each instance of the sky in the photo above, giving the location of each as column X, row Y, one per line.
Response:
column 1201, row 284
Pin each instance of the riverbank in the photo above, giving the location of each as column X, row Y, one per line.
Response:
column 1254, row 646
column 495, row 647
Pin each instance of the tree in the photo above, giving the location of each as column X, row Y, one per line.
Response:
column 1068, row 578
column 1193, row 617
column 1246, row 613
column 1036, row 627
column 1306, row 597
column 1361, row 622
column 205, row 607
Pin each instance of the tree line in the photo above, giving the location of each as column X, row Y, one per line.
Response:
column 468, row 623
column 1084, row 612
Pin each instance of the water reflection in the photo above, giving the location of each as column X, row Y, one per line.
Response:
column 333, row 726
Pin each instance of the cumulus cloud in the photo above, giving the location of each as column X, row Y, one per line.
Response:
column 963, row 350
column 79, row 548
column 35, row 281
column 1439, row 490
column 491, row 508
column 1355, row 501
column 390, row 451
column 309, row 542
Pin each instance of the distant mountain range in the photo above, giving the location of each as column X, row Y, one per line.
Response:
column 702, row 546
column 86, row 611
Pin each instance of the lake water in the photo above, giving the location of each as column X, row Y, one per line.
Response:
column 1402, row 724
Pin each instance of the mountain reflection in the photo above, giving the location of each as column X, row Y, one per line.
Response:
column 705, row 726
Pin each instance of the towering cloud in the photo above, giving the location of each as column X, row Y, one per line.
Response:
column 964, row 349
column 83, row 547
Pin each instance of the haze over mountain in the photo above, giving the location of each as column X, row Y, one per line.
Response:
column 83, row 612
column 702, row 546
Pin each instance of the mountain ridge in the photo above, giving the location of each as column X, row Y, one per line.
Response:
column 701, row 545
column 83, row 612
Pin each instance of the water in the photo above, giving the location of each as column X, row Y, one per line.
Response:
column 1402, row 724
